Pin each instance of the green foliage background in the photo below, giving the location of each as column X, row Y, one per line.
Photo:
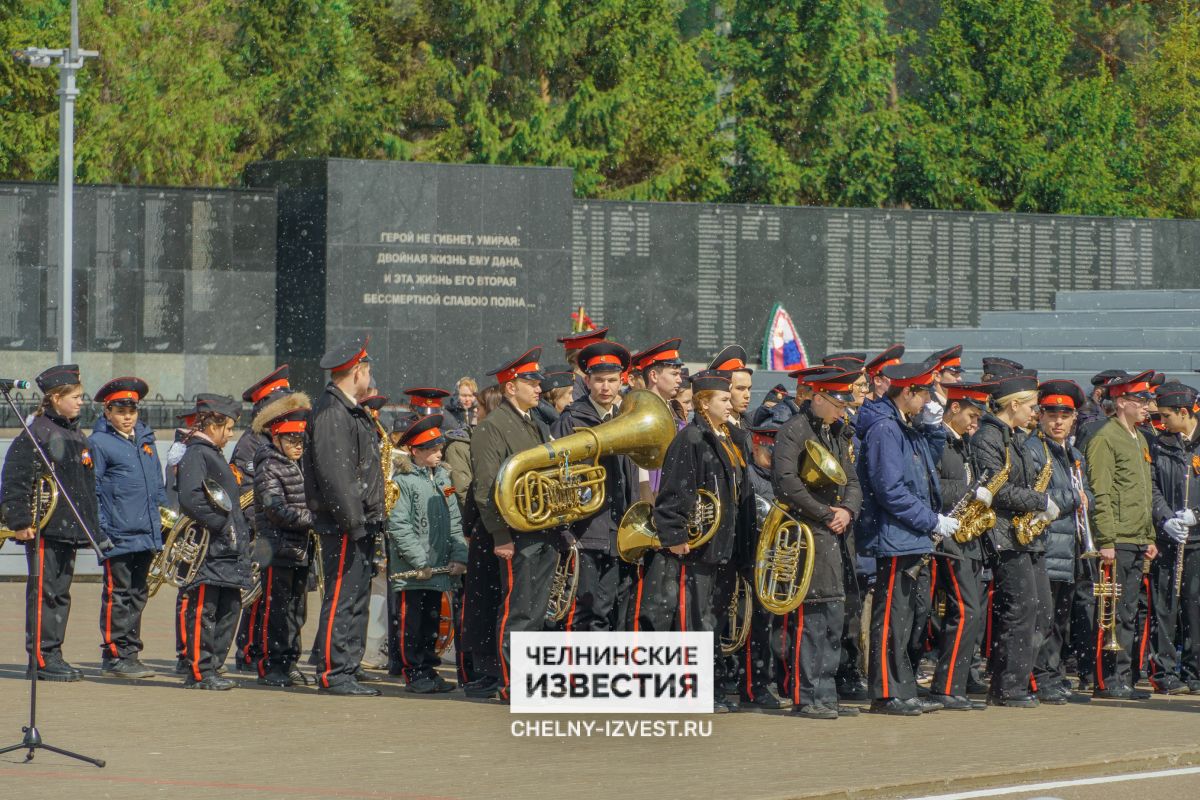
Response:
column 1060, row 106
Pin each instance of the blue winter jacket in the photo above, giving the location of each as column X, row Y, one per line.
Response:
column 898, row 471
column 129, row 486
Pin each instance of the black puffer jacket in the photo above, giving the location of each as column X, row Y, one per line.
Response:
column 228, row 560
column 1176, row 481
column 816, row 506
column 1060, row 538
column 1016, row 496
column 67, row 448
column 697, row 459
column 281, row 516
column 956, row 475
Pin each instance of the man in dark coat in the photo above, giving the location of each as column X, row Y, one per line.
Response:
column 1176, row 596
column 213, row 599
column 528, row 560
column 130, row 491
column 897, row 469
column 604, row 579
column 828, row 507
column 1058, row 401
column 343, row 483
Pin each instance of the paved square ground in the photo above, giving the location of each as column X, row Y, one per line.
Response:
column 161, row 740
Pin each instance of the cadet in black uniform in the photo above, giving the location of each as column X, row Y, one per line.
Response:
column 814, row 630
column 343, row 483
column 284, row 522
column 604, row 579
column 48, row 595
column 213, row 599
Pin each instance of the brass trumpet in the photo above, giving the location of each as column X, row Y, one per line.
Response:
column 1107, row 592
column 562, row 481
column 636, row 534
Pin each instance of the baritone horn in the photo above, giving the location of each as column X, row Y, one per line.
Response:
column 636, row 534
column 43, row 500
column 560, row 482
column 185, row 544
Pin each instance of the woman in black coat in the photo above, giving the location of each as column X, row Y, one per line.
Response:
column 213, row 600
column 679, row 582
column 55, row 426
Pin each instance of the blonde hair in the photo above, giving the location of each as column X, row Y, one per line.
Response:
column 1016, row 397
column 467, row 381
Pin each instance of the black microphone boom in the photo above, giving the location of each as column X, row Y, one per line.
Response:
column 8, row 384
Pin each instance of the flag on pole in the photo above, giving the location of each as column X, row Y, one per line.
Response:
column 782, row 349
column 581, row 322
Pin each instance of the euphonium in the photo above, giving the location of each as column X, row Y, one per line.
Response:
column 564, row 585
column 43, row 499
column 186, row 543
column 1029, row 526
column 785, row 555
column 636, row 533
column 978, row 518
column 562, row 481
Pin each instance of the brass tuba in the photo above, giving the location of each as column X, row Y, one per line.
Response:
column 636, row 534
column 562, row 481
column 786, row 551
column 43, row 500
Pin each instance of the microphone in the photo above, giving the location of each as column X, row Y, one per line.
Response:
column 8, row 384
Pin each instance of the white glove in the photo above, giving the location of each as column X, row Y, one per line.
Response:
column 1187, row 517
column 983, row 495
column 1176, row 529
column 1052, row 509
column 946, row 526
column 932, row 413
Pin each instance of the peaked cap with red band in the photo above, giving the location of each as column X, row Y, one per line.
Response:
column 578, row 341
column 347, row 354
column 604, row 357
column 731, row 359
column 1060, row 394
column 885, row 359
column 839, row 385
column 1137, row 385
column 523, row 366
column 273, row 382
column 663, row 354
column 286, row 412
column 125, row 391
column 426, row 400
column 423, row 432
column 910, row 376
column 950, row 358
column 975, row 394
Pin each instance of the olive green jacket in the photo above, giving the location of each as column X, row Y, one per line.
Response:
column 1119, row 471
column 501, row 434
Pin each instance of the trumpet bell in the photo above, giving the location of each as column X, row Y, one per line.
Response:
column 820, row 467
column 636, row 535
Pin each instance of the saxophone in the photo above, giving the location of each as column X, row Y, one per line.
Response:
column 977, row 518
column 391, row 489
column 1029, row 526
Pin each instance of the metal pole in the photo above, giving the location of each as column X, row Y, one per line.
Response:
column 66, row 186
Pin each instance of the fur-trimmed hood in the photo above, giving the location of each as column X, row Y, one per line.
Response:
column 286, row 404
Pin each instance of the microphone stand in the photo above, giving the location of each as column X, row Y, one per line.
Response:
column 32, row 738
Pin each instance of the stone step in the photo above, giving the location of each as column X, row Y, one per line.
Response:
column 1077, row 338
column 1119, row 299
column 1111, row 318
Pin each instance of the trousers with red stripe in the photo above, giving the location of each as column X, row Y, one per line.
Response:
column 210, row 615
column 676, row 595
column 525, row 581
column 341, row 636
column 893, row 606
column 1116, row 669
column 47, row 598
column 123, row 597
column 814, row 641
column 284, row 608
column 962, row 625
column 249, row 633
column 1022, row 606
column 418, row 613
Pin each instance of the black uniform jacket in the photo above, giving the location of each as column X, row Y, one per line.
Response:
column 1176, row 461
column 814, row 507
column 1016, row 496
column 696, row 459
column 956, row 474
column 599, row 531
column 502, row 433
column 67, row 448
column 281, row 516
column 227, row 562
column 343, row 479
column 1060, row 537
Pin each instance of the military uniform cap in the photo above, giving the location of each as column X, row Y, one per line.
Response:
column 122, row 391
